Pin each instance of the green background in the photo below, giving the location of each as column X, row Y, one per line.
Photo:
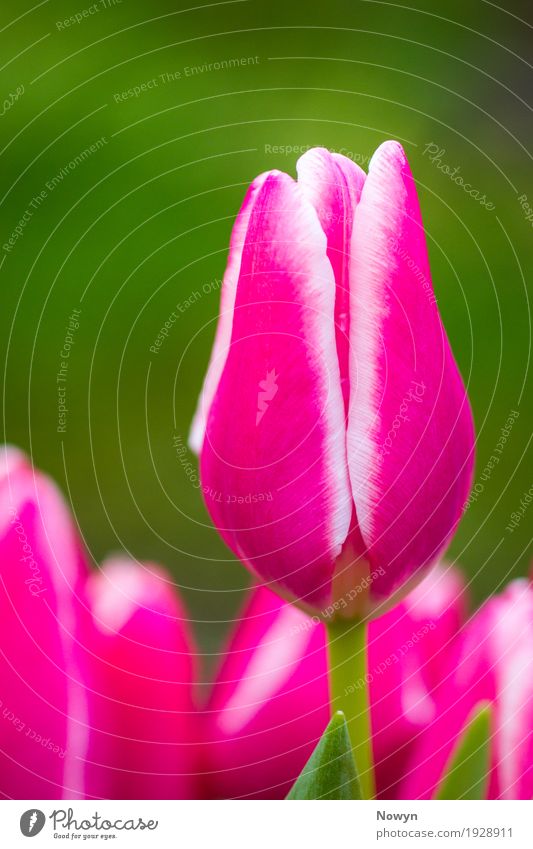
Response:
column 143, row 223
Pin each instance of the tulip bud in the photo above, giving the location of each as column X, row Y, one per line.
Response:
column 44, row 710
column 143, row 744
column 333, row 420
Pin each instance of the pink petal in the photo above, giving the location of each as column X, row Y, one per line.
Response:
column 411, row 649
column 273, row 462
column 333, row 184
column 410, row 432
column 225, row 320
column 511, row 652
column 44, row 720
column 269, row 704
column 144, row 744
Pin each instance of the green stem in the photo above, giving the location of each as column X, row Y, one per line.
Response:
column 347, row 660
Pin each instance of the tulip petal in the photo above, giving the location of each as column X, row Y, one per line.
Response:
column 44, row 724
column 333, row 184
column 273, row 464
column 143, row 744
column 511, row 652
column 269, row 705
column 222, row 340
column 411, row 650
column 410, row 433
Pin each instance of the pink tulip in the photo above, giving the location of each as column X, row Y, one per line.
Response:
column 335, row 435
column 144, row 725
column 495, row 664
column 90, row 705
column 269, row 704
column 45, row 711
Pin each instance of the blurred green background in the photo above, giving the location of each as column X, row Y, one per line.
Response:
column 140, row 224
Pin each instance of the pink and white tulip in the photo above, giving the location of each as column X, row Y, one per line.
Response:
column 334, row 431
column 45, row 711
column 95, row 670
column 144, row 739
column 494, row 664
column 270, row 702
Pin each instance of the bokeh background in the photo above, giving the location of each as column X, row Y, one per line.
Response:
column 138, row 228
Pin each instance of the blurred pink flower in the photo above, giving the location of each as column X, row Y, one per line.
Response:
column 494, row 663
column 334, row 431
column 269, row 703
column 93, row 702
column 143, row 741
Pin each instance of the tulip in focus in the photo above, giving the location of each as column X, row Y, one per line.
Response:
column 333, row 423
column 95, row 670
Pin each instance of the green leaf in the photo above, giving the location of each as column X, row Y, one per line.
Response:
column 466, row 773
column 330, row 772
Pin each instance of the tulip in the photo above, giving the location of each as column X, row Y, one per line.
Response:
column 334, row 431
column 495, row 664
column 95, row 670
column 144, row 725
column 333, row 424
column 269, row 703
column 45, row 711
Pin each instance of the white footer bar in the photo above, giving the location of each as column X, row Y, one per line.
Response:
column 268, row 825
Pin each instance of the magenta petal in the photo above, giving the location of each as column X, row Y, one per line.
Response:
column 333, row 184
column 412, row 648
column 143, row 744
column 269, row 704
column 273, row 464
column 410, row 431
column 225, row 319
column 44, row 721
column 510, row 647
